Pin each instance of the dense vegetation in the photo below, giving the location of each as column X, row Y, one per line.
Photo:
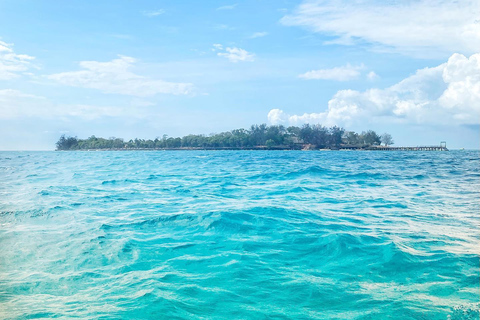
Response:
column 257, row 137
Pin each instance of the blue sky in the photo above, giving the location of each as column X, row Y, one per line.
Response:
column 147, row 68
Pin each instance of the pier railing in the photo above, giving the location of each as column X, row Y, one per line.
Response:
column 417, row 148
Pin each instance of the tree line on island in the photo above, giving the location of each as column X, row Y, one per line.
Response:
column 257, row 137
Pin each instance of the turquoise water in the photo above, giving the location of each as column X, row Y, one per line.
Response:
column 239, row 235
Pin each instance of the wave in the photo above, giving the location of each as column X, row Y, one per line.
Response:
column 241, row 235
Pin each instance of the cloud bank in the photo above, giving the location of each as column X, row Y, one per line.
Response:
column 115, row 77
column 11, row 63
column 420, row 27
column 446, row 94
column 16, row 104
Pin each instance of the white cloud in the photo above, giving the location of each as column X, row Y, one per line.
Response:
column 115, row 77
column 153, row 13
column 229, row 7
column 421, row 27
column 217, row 46
column 446, row 94
column 16, row 104
column 343, row 73
column 277, row 116
column 259, row 35
column 372, row 76
column 11, row 63
column 237, row 54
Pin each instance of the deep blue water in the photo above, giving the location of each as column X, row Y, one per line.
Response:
column 240, row 235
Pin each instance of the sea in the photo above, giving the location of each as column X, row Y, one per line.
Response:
column 240, row 235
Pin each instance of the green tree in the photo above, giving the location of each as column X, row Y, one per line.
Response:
column 387, row 139
column 351, row 138
column 370, row 138
column 270, row 143
column 336, row 134
column 65, row 143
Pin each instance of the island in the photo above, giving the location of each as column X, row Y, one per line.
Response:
column 257, row 137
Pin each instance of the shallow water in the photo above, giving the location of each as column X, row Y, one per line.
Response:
column 240, row 235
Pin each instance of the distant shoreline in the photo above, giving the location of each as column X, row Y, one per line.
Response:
column 265, row 148
column 258, row 137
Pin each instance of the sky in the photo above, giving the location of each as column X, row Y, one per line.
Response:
column 142, row 69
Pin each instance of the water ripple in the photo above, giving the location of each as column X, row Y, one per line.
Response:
column 240, row 235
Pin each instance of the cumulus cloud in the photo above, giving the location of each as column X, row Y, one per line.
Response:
column 343, row 73
column 421, row 27
column 115, row 77
column 277, row 116
column 11, row 63
column 236, row 54
column 446, row 94
column 16, row 104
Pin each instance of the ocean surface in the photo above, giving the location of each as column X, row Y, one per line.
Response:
column 240, row 235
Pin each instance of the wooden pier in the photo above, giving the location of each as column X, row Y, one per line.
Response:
column 441, row 147
column 419, row 148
